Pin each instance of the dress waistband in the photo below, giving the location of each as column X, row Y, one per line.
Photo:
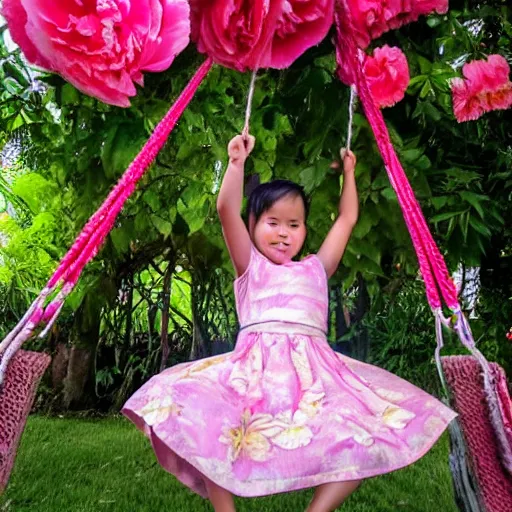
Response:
column 282, row 326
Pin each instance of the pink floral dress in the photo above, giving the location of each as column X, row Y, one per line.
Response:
column 283, row 411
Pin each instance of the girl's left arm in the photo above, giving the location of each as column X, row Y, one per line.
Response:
column 336, row 241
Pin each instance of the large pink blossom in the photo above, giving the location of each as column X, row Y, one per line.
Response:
column 100, row 46
column 374, row 17
column 245, row 34
column 485, row 87
column 387, row 73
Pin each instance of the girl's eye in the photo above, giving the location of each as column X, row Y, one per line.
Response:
column 273, row 223
column 294, row 225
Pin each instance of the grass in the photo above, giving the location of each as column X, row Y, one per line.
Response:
column 75, row 465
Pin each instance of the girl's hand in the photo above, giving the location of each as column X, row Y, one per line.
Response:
column 239, row 148
column 349, row 161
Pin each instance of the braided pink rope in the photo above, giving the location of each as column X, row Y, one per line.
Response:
column 348, row 52
column 132, row 175
column 432, row 265
column 91, row 238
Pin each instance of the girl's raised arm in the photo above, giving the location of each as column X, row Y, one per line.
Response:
column 229, row 204
column 336, row 241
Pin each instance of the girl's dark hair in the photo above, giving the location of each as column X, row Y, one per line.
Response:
column 265, row 195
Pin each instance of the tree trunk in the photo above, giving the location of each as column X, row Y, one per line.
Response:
column 199, row 347
column 165, row 315
column 361, row 345
column 78, row 384
column 341, row 325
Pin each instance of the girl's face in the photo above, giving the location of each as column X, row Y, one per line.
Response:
column 280, row 231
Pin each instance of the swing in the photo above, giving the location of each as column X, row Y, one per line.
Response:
column 439, row 286
column 464, row 378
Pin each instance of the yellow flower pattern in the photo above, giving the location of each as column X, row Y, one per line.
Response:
column 159, row 409
column 251, row 436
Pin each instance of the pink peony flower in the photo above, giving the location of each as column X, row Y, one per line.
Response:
column 302, row 24
column 16, row 17
column 245, row 34
column 374, row 17
column 485, row 87
column 387, row 73
column 100, row 46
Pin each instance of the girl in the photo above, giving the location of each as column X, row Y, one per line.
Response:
column 283, row 411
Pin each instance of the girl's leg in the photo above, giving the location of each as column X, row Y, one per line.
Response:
column 220, row 498
column 329, row 497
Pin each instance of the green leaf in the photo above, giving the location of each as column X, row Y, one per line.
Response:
column 142, row 223
column 365, row 248
column 416, row 84
column 312, row 177
column 12, row 86
column 193, row 206
column 425, row 64
column 411, row 155
column 11, row 70
column 263, row 169
column 36, row 191
column 439, row 202
column 480, row 227
column 122, row 144
column 431, row 111
column 446, row 216
column 70, row 95
column 433, row 21
column 426, row 90
column 364, row 225
column 474, row 200
column 121, row 238
column 389, row 194
column 163, row 226
column 152, row 200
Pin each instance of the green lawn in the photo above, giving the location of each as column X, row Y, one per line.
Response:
column 74, row 465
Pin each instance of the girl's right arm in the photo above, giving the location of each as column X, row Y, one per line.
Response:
column 229, row 204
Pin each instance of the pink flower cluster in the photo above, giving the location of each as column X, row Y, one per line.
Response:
column 100, row 46
column 372, row 18
column 246, row 34
column 387, row 70
column 485, row 87
column 387, row 73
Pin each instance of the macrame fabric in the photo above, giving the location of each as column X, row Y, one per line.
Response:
column 504, row 409
column 464, row 377
column 16, row 399
column 432, row 265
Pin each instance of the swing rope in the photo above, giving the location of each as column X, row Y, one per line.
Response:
column 439, row 285
column 248, row 109
column 351, row 110
column 90, row 240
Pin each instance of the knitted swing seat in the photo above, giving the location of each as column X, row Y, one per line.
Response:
column 464, row 377
column 16, row 398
